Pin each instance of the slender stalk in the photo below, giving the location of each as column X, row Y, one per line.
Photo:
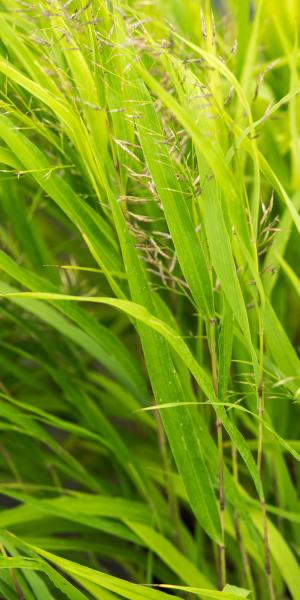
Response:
column 222, row 505
column 267, row 552
column 221, row 547
column 260, row 393
column 244, row 555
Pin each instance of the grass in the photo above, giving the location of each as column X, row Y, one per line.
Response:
column 149, row 282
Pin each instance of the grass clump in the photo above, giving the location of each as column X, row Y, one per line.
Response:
column 150, row 168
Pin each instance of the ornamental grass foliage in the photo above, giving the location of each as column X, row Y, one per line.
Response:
column 149, row 282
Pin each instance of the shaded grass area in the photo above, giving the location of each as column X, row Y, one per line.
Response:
column 149, row 282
